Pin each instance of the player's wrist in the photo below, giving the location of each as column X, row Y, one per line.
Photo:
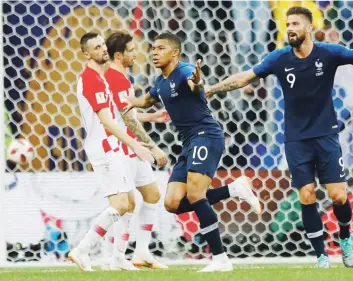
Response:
column 200, row 83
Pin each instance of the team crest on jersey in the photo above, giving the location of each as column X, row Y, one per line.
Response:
column 319, row 66
column 101, row 97
column 172, row 89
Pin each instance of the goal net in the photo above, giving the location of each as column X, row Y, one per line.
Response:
column 50, row 203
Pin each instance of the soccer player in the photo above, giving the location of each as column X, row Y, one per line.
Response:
column 122, row 53
column 306, row 71
column 180, row 89
column 102, row 144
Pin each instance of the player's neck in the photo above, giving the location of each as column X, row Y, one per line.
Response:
column 119, row 67
column 97, row 67
column 304, row 50
column 169, row 68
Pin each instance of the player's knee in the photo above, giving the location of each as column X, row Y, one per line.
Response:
column 152, row 197
column 338, row 197
column 195, row 195
column 307, row 195
column 131, row 205
column 121, row 209
column 171, row 205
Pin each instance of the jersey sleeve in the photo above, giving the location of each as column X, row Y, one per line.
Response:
column 343, row 55
column 266, row 66
column 153, row 93
column 120, row 89
column 187, row 72
column 94, row 91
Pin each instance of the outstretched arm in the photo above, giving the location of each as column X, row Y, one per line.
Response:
column 160, row 116
column 141, row 102
column 236, row 81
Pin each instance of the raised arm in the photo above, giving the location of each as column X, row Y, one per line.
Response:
column 195, row 82
column 236, row 81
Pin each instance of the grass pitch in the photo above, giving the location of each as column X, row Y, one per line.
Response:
column 183, row 273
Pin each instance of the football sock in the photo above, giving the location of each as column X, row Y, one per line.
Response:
column 343, row 214
column 213, row 195
column 98, row 229
column 122, row 234
column 313, row 227
column 146, row 218
column 209, row 225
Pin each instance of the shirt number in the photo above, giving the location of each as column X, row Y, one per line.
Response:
column 291, row 79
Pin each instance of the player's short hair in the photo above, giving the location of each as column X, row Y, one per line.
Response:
column 173, row 39
column 85, row 38
column 297, row 10
column 117, row 41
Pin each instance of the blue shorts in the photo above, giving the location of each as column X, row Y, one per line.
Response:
column 201, row 155
column 321, row 156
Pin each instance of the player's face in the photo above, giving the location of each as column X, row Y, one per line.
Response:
column 298, row 28
column 129, row 54
column 162, row 53
column 97, row 50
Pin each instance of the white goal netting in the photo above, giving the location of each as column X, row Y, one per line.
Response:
column 50, row 203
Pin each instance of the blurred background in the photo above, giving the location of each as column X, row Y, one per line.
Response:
column 50, row 202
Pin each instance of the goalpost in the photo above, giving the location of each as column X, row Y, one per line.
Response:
column 48, row 204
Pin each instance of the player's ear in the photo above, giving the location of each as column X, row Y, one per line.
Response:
column 309, row 28
column 87, row 55
column 176, row 52
column 118, row 55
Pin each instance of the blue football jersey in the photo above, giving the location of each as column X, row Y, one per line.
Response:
column 307, row 88
column 188, row 111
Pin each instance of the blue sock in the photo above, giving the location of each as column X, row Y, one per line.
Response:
column 343, row 214
column 213, row 195
column 209, row 225
column 314, row 228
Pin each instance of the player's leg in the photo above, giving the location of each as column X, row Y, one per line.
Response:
column 121, row 238
column 331, row 174
column 117, row 208
column 202, row 162
column 300, row 156
column 176, row 200
column 116, row 190
column 146, row 217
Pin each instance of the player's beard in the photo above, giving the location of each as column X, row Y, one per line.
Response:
column 297, row 42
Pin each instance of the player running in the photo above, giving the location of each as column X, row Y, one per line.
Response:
column 180, row 89
column 102, row 145
column 306, row 71
column 122, row 53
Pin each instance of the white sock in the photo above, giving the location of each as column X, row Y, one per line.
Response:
column 98, row 229
column 108, row 245
column 121, row 235
column 221, row 257
column 146, row 218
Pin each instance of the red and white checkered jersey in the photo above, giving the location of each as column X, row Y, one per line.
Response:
column 121, row 87
column 93, row 94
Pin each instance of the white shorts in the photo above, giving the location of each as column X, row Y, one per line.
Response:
column 115, row 174
column 141, row 171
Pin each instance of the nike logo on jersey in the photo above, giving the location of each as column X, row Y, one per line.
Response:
column 196, row 163
column 288, row 69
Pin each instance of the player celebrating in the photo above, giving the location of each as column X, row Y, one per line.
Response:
column 122, row 53
column 102, row 144
column 306, row 71
column 180, row 88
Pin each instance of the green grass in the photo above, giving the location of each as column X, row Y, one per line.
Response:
column 183, row 273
